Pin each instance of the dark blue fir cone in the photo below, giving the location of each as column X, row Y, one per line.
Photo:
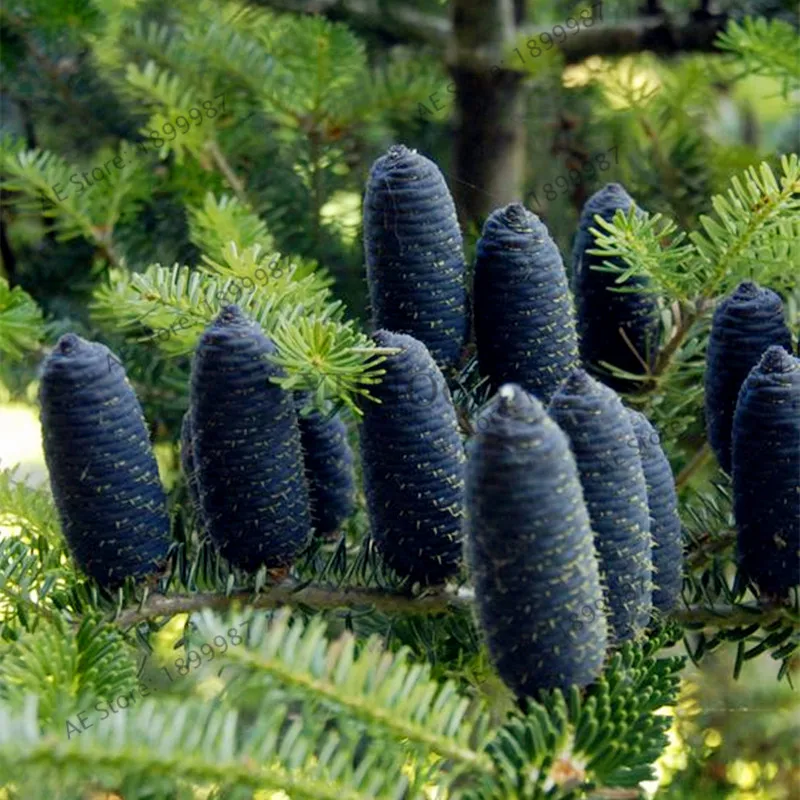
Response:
column 247, row 450
column 766, row 473
column 102, row 469
column 619, row 328
column 530, row 549
column 665, row 524
column 329, row 468
column 744, row 325
column 414, row 254
column 600, row 434
column 413, row 462
column 188, row 466
column 524, row 321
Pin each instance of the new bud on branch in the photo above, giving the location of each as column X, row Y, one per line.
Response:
column 524, row 322
column 103, row 473
column 530, row 548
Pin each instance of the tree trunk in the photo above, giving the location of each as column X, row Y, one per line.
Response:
column 489, row 145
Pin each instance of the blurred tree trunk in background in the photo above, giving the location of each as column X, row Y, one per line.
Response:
column 489, row 146
column 489, row 143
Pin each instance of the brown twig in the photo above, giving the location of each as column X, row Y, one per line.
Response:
column 222, row 164
column 681, row 332
column 318, row 597
column 697, row 461
column 439, row 601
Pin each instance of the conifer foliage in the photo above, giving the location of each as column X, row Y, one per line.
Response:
column 207, row 263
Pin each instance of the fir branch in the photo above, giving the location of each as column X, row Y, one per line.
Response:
column 748, row 216
column 387, row 601
column 222, row 220
column 736, row 616
column 688, row 319
column 161, row 744
column 697, row 462
column 662, row 33
column 650, row 245
column 67, row 669
column 47, row 67
column 706, row 548
column 754, row 233
column 320, row 353
column 21, row 322
column 391, row 698
column 768, row 47
column 753, row 230
column 291, row 593
column 30, row 509
column 225, row 168
column 38, row 176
